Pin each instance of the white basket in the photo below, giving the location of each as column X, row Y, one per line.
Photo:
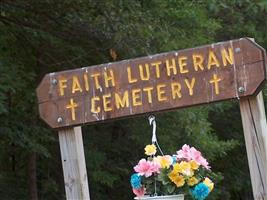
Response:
column 169, row 197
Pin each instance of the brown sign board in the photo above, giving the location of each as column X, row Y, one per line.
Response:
column 177, row 79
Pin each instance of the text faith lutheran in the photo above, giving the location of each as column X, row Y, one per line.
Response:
column 138, row 95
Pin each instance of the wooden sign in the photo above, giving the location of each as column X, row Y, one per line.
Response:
column 165, row 81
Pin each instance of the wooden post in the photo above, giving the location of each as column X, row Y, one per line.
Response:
column 255, row 131
column 73, row 162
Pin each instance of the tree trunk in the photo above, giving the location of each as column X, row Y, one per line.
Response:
column 32, row 177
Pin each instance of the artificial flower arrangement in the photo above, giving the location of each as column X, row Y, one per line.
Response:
column 185, row 172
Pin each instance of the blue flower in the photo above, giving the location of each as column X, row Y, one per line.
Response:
column 174, row 160
column 136, row 181
column 200, row 191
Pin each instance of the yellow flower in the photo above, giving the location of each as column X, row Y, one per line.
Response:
column 164, row 161
column 209, row 183
column 194, row 165
column 177, row 168
column 185, row 169
column 176, row 178
column 192, row 181
column 150, row 149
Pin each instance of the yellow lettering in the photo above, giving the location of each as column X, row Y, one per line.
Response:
column 176, row 90
column 149, row 95
column 72, row 107
column 95, row 109
column 182, row 64
column 108, row 78
column 141, row 71
column 227, row 57
column 198, row 62
column 86, row 82
column 156, row 64
column 62, row 85
column 136, row 97
column 171, row 67
column 161, row 92
column 96, row 79
column 123, row 101
column 215, row 80
column 190, row 85
column 130, row 78
column 76, row 85
column 213, row 60
column 107, row 102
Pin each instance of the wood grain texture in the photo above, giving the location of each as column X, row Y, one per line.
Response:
column 73, row 162
column 255, row 132
column 247, row 70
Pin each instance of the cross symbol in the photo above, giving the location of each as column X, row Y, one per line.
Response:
column 72, row 106
column 215, row 80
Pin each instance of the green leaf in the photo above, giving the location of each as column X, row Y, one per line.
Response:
column 171, row 189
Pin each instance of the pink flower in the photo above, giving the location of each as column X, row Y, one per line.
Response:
column 139, row 192
column 146, row 168
column 204, row 163
column 192, row 154
column 184, row 153
column 195, row 155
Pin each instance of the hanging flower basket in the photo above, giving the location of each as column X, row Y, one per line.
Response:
column 169, row 197
column 169, row 177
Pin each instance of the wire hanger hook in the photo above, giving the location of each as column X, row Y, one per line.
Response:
column 152, row 122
